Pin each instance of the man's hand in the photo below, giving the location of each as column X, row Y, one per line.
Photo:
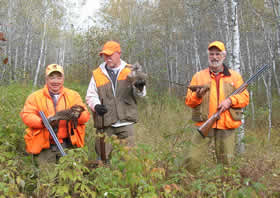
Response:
column 200, row 92
column 139, row 84
column 53, row 123
column 100, row 109
column 225, row 105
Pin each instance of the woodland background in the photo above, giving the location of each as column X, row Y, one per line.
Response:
column 169, row 39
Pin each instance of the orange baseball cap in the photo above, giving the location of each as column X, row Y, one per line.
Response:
column 110, row 47
column 218, row 44
column 54, row 67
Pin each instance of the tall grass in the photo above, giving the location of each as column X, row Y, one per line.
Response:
column 155, row 168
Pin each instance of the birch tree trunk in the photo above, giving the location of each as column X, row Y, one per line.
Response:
column 267, row 84
column 30, row 58
column 15, row 65
column 41, row 53
column 9, row 42
column 25, row 55
column 176, row 63
column 45, row 53
column 251, row 72
column 57, row 56
column 228, row 35
column 195, row 46
column 63, row 53
column 167, row 62
column 236, row 66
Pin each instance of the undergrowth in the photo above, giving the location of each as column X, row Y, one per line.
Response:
column 152, row 169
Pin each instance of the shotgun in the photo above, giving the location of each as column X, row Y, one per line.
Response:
column 204, row 128
column 50, row 129
column 102, row 142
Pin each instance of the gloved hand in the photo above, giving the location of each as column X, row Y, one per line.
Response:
column 100, row 109
column 139, row 84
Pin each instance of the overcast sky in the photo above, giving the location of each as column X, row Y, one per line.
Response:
column 89, row 9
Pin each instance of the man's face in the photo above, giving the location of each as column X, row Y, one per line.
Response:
column 215, row 58
column 54, row 82
column 112, row 61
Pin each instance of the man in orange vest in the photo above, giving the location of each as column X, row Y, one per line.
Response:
column 52, row 98
column 109, row 84
column 204, row 102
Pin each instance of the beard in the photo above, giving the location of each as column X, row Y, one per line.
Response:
column 215, row 63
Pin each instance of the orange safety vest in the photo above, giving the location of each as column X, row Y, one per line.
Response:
column 229, row 78
column 37, row 137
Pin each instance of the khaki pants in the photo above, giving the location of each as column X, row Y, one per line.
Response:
column 124, row 132
column 224, row 148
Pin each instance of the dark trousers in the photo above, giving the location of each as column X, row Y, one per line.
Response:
column 123, row 133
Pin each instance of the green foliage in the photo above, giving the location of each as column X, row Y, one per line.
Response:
column 70, row 176
column 129, row 174
column 154, row 168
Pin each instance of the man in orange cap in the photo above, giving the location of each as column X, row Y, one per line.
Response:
column 204, row 102
column 52, row 98
column 109, row 84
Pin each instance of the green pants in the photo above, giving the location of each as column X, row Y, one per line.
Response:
column 124, row 132
column 224, row 148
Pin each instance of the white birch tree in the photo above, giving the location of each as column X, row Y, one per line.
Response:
column 267, row 83
column 42, row 47
column 236, row 65
column 228, row 36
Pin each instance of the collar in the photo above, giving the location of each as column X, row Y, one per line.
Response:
column 225, row 71
column 47, row 93
column 122, row 65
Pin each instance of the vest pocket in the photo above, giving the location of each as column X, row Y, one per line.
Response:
column 129, row 110
column 236, row 113
column 198, row 114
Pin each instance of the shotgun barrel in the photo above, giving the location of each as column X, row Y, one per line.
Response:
column 50, row 129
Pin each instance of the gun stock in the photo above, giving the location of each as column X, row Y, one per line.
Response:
column 206, row 126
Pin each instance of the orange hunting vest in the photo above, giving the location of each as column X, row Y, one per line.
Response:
column 228, row 82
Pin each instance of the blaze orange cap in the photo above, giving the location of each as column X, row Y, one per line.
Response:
column 110, row 48
column 54, row 67
column 218, row 44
